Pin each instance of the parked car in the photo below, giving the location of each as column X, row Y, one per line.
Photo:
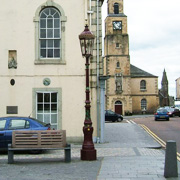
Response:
column 173, row 112
column 9, row 124
column 161, row 113
column 112, row 116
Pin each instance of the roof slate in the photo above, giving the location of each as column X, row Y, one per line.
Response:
column 136, row 72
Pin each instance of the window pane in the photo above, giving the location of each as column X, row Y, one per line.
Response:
column 46, row 11
column 52, row 11
column 50, row 23
column 43, row 23
column 54, row 127
column 43, row 33
column 50, row 52
column 43, row 15
column 56, row 23
column 43, row 43
column 17, row 124
column 46, row 97
column 40, row 117
column 47, row 118
column 49, row 33
column 56, row 33
column 54, row 97
column 53, row 108
column 43, row 53
column 54, row 118
column 56, row 53
column 40, row 97
column 40, row 108
column 27, row 126
column 56, row 43
column 47, row 108
column 2, row 124
column 56, row 15
column 50, row 43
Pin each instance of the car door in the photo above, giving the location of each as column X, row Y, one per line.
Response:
column 15, row 124
column 2, row 133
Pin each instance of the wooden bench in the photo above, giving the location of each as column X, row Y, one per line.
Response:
column 38, row 140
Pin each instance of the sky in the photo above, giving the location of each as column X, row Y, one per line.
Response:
column 154, row 37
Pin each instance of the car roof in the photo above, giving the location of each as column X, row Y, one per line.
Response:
column 13, row 117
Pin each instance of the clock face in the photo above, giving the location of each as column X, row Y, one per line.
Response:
column 117, row 25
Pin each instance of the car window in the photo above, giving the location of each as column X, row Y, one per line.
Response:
column 2, row 125
column 110, row 112
column 18, row 124
column 162, row 110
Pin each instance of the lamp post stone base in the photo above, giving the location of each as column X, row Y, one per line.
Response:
column 88, row 155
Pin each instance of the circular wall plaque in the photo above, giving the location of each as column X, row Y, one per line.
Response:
column 46, row 81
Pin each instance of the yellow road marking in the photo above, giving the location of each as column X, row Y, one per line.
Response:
column 159, row 140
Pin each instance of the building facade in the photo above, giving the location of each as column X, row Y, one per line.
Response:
column 178, row 88
column 42, row 71
column 128, row 89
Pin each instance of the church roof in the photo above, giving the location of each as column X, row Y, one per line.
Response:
column 136, row 72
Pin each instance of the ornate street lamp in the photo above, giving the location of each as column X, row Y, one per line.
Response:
column 88, row 152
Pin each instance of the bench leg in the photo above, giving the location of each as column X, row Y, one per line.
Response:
column 10, row 157
column 68, row 153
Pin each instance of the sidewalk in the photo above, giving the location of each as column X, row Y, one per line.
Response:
column 128, row 154
column 144, row 161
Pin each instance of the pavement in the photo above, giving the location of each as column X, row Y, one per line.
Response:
column 129, row 153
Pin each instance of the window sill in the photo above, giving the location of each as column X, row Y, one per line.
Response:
column 49, row 61
column 143, row 90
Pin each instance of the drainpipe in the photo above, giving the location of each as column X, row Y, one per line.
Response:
column 98, row 101
column 85, row 10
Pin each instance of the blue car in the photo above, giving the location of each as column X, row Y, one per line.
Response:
column 9, row 124
column 161, row 113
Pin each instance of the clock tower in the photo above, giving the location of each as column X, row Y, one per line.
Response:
column 117, row 59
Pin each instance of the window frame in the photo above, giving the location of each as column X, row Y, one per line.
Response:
column 143, row 85
column 143, row 104
column 116, row 8
column 44, row 104
column 46, row 26
column 15, row 125
column 59, row 106
column 63, row 20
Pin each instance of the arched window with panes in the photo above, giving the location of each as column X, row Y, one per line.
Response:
column 50, row 33
column 143, row 85
column 143, row 104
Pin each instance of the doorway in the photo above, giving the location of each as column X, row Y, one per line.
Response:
column 118, row 107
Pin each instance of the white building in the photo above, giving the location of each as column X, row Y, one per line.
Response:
column 42, row 71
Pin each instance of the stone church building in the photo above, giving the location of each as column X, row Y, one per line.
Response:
column 129, row 89
column 42, row 71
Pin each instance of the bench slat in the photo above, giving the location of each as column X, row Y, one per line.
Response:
column 49, row 138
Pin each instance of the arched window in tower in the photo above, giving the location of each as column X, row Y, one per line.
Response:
column 118, row 64
column 116, row 8
column 143, row 104
column 143, row 85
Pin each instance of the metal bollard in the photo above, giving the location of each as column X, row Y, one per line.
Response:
column 170, row 168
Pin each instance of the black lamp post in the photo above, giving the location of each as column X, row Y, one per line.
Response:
column 88, row 152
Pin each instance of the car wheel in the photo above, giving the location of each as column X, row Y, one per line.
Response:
column 155, row 119
column 167, row 119
column 119, row 120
